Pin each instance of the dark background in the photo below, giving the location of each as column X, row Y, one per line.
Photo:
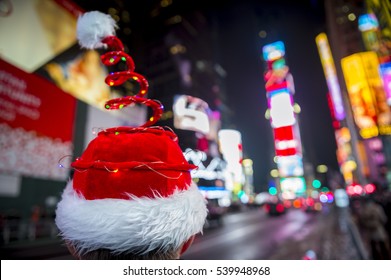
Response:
column 238, row 49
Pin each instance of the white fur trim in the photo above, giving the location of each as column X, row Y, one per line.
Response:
column 137, row 225
column 93, row 27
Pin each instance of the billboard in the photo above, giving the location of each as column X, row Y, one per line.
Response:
column 81, row 74
column 371, row 112
column 33, row 32
column 290, row 166
column 292, row 187
column 193, row 113
column 36, row 125
column 330, row 73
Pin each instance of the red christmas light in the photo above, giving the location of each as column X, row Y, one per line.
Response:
column 115, row 56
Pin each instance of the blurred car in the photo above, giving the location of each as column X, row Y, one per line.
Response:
column 312, row 205
column 274, row 206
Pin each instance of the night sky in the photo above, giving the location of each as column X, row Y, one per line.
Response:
column 296, row 23
column 239, row 51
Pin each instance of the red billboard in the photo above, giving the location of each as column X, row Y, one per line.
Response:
column 36, row 124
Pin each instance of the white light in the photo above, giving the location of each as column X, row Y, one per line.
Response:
column 323, row 198
column 281, row 110
column 229, row 142
column 285, row 144
column 190, row 114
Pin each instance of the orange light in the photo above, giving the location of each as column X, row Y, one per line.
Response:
column 297, row 203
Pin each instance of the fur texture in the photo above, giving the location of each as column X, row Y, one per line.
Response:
column 137, row 225
column 93, row 27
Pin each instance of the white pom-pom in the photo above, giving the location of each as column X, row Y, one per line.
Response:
column 93, row 27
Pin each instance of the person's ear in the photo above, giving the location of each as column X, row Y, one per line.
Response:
column 186, row 245
column 72, row 250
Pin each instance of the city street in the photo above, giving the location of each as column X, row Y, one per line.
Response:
column 248, row 235
column 255, row 235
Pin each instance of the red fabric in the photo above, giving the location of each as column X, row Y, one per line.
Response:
column 136, row 161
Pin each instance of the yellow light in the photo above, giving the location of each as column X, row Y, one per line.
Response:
column 274, row 173
column 369, row 132
column 111, row 83
column 350, row 165
column 321, row 168
column 247, row 162
column 296, row 108
column 135, row 78
column 267, row 114
column 385, row 129
column 275, row 159
column 352, row 17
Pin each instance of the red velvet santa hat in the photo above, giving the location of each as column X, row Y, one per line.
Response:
column 131, row 191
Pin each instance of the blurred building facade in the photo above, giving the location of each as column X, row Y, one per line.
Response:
column 372, row 152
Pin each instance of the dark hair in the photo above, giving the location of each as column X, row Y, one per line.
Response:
column 105, row 254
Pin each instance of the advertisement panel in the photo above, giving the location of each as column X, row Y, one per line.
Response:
column 285, row 141
column 331, row 75
column 191, row 113
column 290, row 166
column 292, row 187
column 81, row 74
column 360, row 95
column 36, row 125
column 366, row 93
column 33, row 32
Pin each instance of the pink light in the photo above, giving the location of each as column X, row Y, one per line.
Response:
column 351, row 190
column 310, row 201
column 357, row 189
column 370, row 188
column 280, row 208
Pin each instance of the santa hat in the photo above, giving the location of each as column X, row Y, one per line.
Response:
column 131, row 191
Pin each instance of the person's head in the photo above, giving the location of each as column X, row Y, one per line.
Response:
column 131, row 196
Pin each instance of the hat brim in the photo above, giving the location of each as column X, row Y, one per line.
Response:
column 136, row 225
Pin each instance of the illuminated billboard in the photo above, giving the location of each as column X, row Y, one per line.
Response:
column 367, row 22
column 208, row 168
column 33, row 32
column 191, row 113
column 281, row 108
column 273, row 51
column 36, row 125
column 331, row 75
column 385, row 71
column 285, row 141
column 289, row 166
column 230, row 144
column 371, row 112
column 292, row 187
